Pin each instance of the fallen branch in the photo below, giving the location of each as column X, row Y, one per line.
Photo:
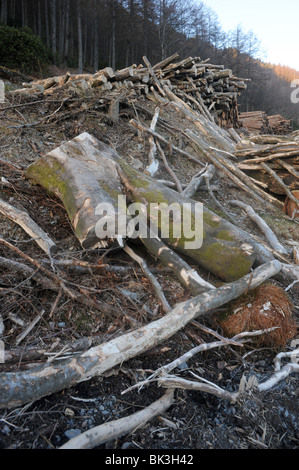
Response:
column 22, row 387
column 153, row 166
column 116, row 429
column 269, row 234
column 279, row 376
column 188, row 277
column 143, row 128
column 29, row 328
column 281, row 183
column 194, row 184
column 177, row 382
column 170, row 171
column 153, row 280
column 22, row 218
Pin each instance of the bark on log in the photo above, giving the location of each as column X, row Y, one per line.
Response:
column 85, row 172
column 17, row 388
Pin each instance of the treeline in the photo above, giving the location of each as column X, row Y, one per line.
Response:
column 91, row 34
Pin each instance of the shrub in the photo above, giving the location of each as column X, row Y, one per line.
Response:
column 21, row 49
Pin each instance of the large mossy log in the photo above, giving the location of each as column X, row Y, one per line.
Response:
column 85, row 172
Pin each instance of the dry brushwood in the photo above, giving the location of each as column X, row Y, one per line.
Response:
column 25, row 386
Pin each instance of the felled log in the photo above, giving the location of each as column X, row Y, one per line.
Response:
column 209, row 89
column 85, row 172
column 17, row 388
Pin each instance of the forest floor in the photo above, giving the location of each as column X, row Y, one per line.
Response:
column 259, row 420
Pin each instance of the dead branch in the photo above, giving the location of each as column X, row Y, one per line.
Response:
column 281, row 183
column 26, row 386
column 21, row 218
column 185, row 274
column 153, row 280
column 178, row 382
column 116, row 429
column 29, row 328
column 170, row 171
column 194, row 184
column 153, row 166
column 145, row 129
column 279, row 376
column 269, row 234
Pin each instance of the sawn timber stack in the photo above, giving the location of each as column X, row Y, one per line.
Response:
column 209, row 89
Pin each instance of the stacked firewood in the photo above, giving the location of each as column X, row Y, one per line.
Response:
column 273, row 161
column 209, row 89
column 256, row 122
column 280, row 125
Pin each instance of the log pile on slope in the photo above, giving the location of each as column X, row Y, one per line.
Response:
column 280, row 125
column 274, row 162
column 256, row 122
column 209, row 89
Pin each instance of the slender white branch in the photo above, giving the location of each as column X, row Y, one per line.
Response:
column 114, row 429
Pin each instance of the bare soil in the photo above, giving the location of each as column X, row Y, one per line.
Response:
column 267, row 420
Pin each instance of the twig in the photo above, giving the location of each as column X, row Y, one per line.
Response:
column 143, row 128
column 30, row 327
column 207, row 177
column 177, row 382
column 166, row 369
column 279, row 376
column 170, row 171
column 44, row 270
column 197, row 180
column 155, row 283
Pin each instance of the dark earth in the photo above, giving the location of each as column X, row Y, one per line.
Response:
column 196, row 420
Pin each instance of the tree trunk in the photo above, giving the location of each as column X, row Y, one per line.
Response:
column 96, row 37
column 80, row 48
column 85, row 162
column 67, row 31
column 53, row 18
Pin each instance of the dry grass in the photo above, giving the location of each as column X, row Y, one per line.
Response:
column 266, row 307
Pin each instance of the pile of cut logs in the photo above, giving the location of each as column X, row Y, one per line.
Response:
column 280, row 125
column 259, row 123
column 256, row 122
column 273, row 162
column 209, row 89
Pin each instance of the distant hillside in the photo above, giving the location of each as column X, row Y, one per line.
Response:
column 92, row 34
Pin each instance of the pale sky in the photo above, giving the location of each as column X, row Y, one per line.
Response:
column 274, row 22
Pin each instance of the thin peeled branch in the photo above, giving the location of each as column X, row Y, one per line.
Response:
column 269, row 234
column 153, row 280
column 21, row 218
column 153, row 166
column 115, row 429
